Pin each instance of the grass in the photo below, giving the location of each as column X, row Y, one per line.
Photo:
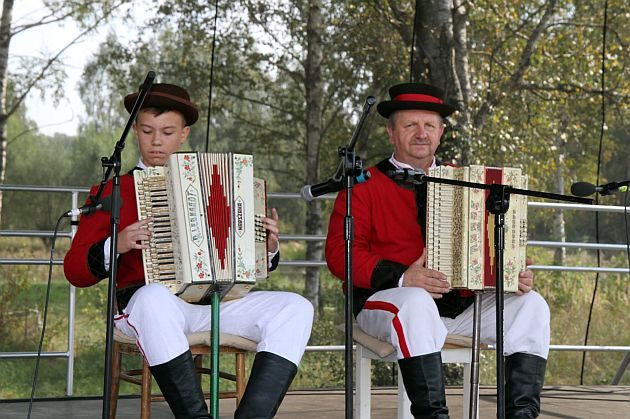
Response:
column 23, row 289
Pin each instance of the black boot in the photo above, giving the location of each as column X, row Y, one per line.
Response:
column 524, row 379
column 268, row 382
column 177, row 379
column 424, row 384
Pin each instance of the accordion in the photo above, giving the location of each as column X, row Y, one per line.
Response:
column 460, row 231
column 206, row 230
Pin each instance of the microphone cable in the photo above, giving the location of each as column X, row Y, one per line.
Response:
column 45, row 317
column 599, row 164
column 626, row 203
column 214, row 43
column 413, row 42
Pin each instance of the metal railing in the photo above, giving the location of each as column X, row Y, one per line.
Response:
column 74, row 203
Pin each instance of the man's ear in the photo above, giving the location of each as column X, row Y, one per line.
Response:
column 134, row 128
column 390, row 133
column 185, row 133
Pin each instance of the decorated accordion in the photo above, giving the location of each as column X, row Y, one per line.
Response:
column 206, row 229
column 460, row 231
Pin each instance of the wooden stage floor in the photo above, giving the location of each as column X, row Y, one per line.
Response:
column 580, row 402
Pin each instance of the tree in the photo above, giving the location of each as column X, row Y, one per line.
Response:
column 525, row 76
column 274, row 85
column 270, row 86
column 44, row 73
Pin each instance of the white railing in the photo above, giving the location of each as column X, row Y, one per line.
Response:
column 74, row 203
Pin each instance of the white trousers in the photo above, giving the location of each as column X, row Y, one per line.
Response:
column 408, row 318
column 280, row 322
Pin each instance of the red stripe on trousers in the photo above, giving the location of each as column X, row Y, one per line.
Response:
column 138, row 339
column 382, row 305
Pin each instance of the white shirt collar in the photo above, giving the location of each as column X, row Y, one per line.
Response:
column 141, row 164
column 400, row 165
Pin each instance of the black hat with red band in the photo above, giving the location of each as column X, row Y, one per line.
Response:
column 415, row 96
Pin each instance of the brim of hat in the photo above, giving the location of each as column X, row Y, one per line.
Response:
column 165, row 101
column 386, row 108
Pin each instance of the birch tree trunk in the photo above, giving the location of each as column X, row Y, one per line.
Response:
column 559, row 233
column 99, row 12
column 5, row 42
column 441, row 59
column 314, row 89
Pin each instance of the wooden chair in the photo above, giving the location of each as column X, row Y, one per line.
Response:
column 457, row 349
column 199, row 346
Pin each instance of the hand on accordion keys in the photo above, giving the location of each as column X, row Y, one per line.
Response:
column 525, row 280
column 435, row 282
column 272, row 225
column 417, row 275
column 134, row 236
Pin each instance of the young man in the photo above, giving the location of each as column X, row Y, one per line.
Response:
column 280, row 322
column 398, row 300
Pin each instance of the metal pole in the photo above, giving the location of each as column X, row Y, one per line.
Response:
column 474, row 368
column 214, row 369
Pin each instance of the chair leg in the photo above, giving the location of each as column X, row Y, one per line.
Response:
column 116, row 366
column 364, row 383
column 466, row 394
column 240, row 376
column 145, row 398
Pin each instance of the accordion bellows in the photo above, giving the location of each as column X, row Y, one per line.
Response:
column 206, row 233
column 460, row 231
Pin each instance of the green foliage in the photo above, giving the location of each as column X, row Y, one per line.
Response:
column 549, row 124
column 55, row 161
column 23, row 290
column 12, row 318
column 556, row 109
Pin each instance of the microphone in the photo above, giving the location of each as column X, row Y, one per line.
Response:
column 586, row 189
column 148, row 81
column 331, row 185
column 408, row 175
column 104, row 205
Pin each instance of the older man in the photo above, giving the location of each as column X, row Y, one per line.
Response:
column 399, row 300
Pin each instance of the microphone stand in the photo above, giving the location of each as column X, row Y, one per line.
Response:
column 214, row 347
column 497, row 203
column 611, row 187
column 113, row 163
column 352, row 166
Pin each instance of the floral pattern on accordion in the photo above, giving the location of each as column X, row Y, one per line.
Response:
column 244, row 213
column 466, row 256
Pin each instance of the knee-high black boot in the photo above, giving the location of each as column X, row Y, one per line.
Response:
column 524, row 379
column 177, row 379
column 268, row 383
column 424, row 384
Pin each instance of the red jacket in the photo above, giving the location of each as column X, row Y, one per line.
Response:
column 385, row 227
column 389, row 218
column 83, row 264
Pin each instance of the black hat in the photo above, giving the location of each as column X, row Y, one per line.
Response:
column 166, row 96
column 415, row 96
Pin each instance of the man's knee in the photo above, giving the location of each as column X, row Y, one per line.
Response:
column 537, row 306
column 300, row 308
column 418, row 303
column 151, row 297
